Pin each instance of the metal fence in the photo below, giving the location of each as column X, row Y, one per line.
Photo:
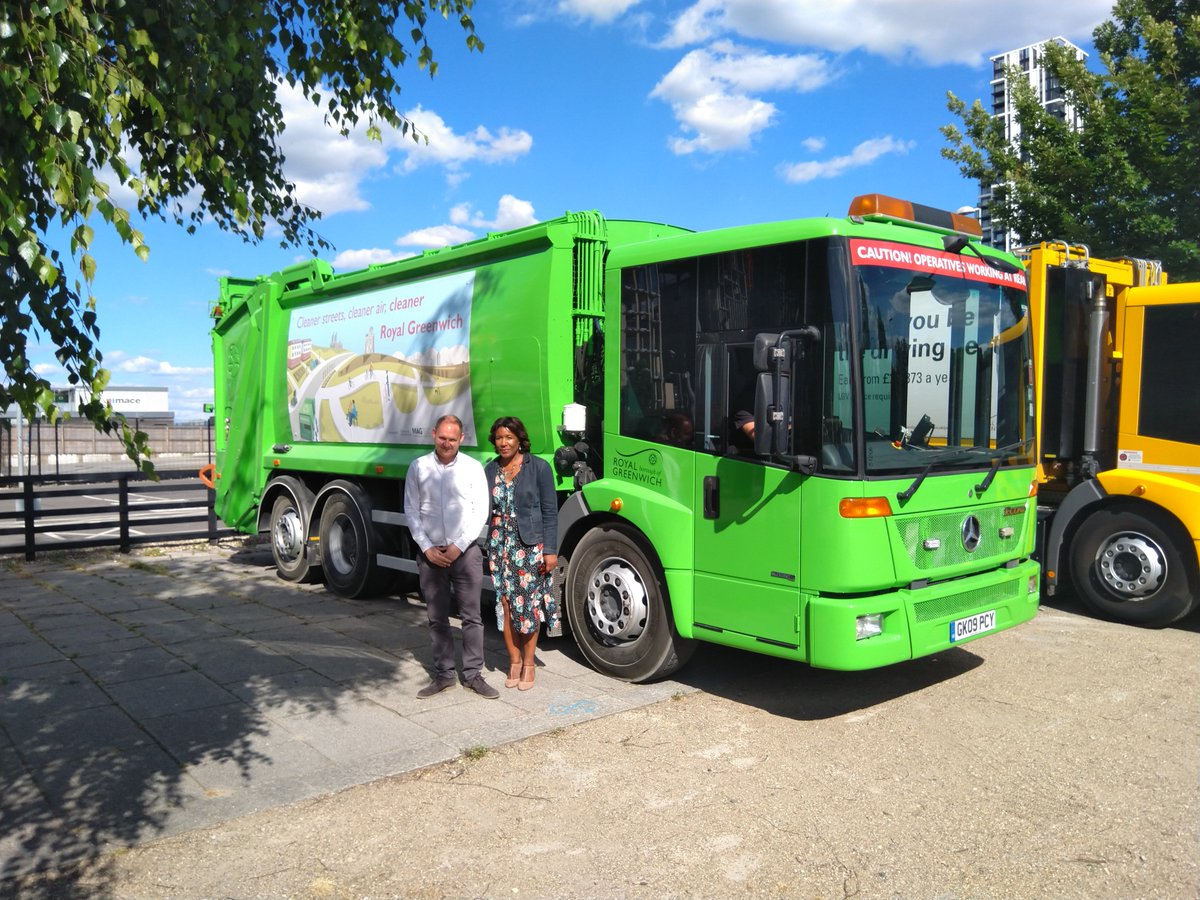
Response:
column 40, row 513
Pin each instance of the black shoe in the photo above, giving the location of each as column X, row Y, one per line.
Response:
column 482, row 688
column 436, row 687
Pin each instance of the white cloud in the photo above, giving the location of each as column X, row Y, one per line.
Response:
column 932, row 32
column 326, row 168
column 349, row 260
column 511, row 212
column 711, row 93
column 864, row 154
column 329, row 170
column 145, row 365
column 204, row 393
column 813, row 144
column 600, row 11
column 464, row 225
column 451, row 150
column 435, row 236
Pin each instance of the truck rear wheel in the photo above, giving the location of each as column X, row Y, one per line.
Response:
column 1128, row 568
column 348, row 548
column 617, row 609
column 288, row 540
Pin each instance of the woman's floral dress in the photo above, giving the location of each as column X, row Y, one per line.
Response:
column 515, row 567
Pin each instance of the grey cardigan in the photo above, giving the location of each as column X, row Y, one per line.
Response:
column 537, row 504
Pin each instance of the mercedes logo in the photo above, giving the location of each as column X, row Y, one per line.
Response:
column 971, row 532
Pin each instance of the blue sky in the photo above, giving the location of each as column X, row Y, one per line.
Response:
column 700, row 113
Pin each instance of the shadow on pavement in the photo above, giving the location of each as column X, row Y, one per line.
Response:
column 138, row 692
column 797, row 691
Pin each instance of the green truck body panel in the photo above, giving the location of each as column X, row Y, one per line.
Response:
column 337, row 379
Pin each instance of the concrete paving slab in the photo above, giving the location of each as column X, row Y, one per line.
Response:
column 170, row 693
column 75, row 733
column 142, row 696
column 233, row 660
column 133, row 664
column 19, row 656
column 178, row 631
column 85, row 636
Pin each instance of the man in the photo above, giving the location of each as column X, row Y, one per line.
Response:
column 446, row 503
column 743, row 432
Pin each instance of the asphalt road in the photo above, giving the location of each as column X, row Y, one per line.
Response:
column 95, row 516
column 1060, row 759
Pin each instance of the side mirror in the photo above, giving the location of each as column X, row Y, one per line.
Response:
column 771, row 421
column 767, row 352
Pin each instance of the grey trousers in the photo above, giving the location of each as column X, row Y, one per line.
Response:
column 465, row 575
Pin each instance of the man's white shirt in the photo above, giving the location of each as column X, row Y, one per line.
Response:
column 446, row 504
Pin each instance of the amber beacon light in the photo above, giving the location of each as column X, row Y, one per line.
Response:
column 881, row 206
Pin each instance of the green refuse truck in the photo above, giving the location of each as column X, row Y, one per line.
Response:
column 810, row 438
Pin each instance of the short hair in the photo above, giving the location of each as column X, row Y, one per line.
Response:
column 454, row 420
column 516, row 426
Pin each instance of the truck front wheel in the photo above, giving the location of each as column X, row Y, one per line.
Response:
column 348, row 549
column 617, row 609
column 1128, row 568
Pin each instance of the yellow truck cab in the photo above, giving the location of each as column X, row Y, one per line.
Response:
column 1118, row 419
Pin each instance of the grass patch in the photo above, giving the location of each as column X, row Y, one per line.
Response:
column 475, row 753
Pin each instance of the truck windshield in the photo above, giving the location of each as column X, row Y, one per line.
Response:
column 944, row 361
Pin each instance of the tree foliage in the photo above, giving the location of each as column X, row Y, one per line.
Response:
column 174, row 101
column 1126, row 183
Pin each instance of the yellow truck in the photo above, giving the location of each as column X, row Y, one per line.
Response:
column 1117, row 358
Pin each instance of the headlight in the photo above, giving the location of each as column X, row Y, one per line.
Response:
column 868, row 626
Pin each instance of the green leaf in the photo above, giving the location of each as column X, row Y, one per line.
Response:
column 29, row 251
column 56, row 54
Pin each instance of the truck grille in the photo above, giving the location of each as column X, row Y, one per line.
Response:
column 948, row 607
column 946, row 528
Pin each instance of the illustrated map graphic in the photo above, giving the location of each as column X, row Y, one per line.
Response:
column 382, row 366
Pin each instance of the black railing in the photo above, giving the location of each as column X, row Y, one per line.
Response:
column 39, row 513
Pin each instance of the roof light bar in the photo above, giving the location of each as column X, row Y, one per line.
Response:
column 880, row 206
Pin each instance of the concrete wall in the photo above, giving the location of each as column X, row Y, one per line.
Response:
column 76, row 446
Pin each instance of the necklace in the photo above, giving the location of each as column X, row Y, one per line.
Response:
column 511, row 469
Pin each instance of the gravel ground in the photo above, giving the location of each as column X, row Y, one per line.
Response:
column 1061, row 759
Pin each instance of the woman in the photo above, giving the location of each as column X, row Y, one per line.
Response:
column 522, row 545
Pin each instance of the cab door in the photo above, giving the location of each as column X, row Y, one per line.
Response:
column 747, row 515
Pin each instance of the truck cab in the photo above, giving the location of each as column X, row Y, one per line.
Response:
column 1118, row 432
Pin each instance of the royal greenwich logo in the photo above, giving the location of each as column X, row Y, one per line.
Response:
column 643, row 467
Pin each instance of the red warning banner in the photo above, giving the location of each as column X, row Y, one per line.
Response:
column 922, row 259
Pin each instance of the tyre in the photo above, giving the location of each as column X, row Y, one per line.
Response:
column 1127, row 567
column 288, row 539
column 617, row 608
column 348, row 548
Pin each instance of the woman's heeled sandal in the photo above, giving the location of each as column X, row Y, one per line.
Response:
column 514, row 675
column 526, row 683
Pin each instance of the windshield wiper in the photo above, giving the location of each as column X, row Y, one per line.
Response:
column 947, row 455
column 957, row 243
column 905, row 495
column 982, row 487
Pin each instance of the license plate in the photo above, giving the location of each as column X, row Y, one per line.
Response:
column 961, row 629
